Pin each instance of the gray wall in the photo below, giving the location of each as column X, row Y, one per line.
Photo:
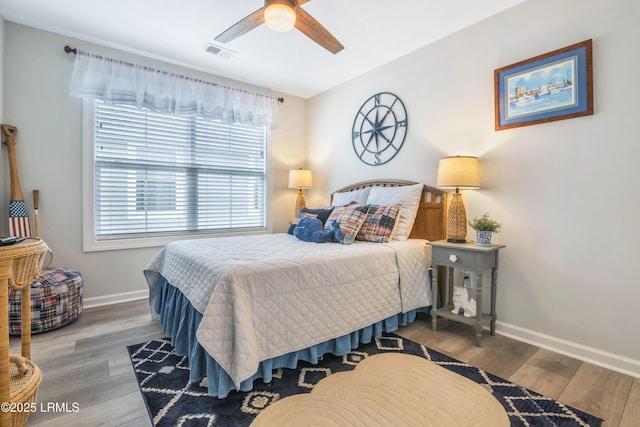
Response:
column 565, row 191
column 1, row 94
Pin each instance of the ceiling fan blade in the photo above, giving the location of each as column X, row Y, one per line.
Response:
column 308, row 25
column 243, row 26
column 301, row 2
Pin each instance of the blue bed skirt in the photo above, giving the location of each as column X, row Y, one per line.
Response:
column 180, row 321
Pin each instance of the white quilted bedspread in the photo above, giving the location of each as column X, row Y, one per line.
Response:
column 267, row 295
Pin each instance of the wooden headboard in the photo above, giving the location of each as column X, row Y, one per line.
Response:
column 430, row 220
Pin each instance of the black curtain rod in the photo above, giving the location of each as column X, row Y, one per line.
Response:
column 69, row 49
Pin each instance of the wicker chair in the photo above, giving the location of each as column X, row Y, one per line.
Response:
column 19, row 378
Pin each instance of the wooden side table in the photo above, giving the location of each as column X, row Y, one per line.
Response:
column 468, row 256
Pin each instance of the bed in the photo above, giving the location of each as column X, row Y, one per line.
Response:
column 242, row 307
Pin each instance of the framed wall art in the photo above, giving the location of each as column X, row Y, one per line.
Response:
column 554, row 86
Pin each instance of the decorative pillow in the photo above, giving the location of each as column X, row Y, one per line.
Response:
column 356, row 196
column 322, row 214
column 349, row 218
column 310, row 229
column 408, row 196
column 379, row 223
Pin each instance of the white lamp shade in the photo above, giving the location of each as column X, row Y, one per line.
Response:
column 279, row 17
column 300, row 178
column 459, row 172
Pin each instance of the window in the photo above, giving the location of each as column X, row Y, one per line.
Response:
column 161, row 174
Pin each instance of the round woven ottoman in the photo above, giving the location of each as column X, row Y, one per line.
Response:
column 56, row 301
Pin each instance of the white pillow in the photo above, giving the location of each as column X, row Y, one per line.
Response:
column 358, row 196
column 408, row 195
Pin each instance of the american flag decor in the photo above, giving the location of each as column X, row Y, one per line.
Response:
column 18, row 219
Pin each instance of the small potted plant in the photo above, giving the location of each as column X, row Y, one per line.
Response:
column 485, row 227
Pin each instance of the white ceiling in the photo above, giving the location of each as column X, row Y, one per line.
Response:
column 373, row 32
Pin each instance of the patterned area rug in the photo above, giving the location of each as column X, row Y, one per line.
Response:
column 173, row 401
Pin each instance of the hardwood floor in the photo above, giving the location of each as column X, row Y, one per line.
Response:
column 86, row 363
column 86, row 367
column 601, row 392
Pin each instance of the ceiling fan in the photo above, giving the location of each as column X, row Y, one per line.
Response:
column 283, row 15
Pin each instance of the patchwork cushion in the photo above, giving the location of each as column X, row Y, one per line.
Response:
column 322, row 214
column 349, row 218
column 56, row 301
column 379, row 223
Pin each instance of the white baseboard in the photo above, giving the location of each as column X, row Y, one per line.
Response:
column 115, row 298
column 614, row 362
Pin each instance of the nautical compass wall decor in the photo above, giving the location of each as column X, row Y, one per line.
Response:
column 379, row 129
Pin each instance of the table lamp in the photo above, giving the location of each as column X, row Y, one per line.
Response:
column 458, row 172
column 300, row 179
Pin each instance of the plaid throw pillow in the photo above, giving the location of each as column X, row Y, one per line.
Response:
column 409, row 196
column 350, row 218
column 379, row 223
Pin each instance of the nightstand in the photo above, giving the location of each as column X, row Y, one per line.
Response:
column 477, row 259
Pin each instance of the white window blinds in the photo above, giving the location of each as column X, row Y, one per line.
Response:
column 163, row 173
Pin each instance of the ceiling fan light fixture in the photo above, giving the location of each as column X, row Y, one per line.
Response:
column 279, row 17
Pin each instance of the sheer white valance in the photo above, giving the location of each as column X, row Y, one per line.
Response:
column 118, row 82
